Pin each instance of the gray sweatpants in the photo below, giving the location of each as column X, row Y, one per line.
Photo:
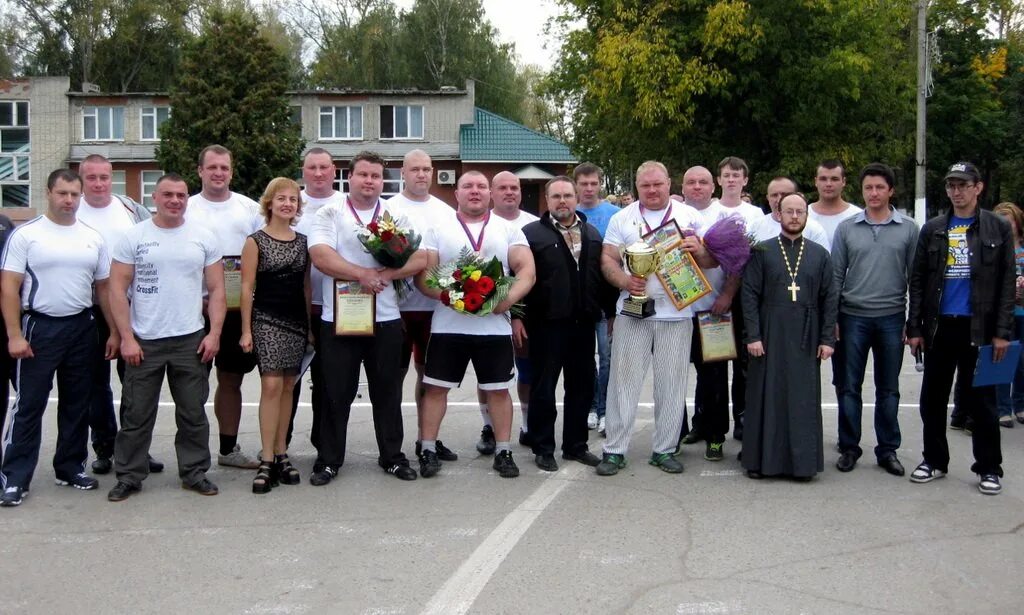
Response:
column 188, row 380
column 637, row 342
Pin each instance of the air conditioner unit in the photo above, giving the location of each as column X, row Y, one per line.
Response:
column 446, row 178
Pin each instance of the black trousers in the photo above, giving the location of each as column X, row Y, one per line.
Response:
column 341, row 357
column 102, row 419
column 561, row 347
column 317, row 379
column 739, row 364
column 711, row 394
column 952, row 351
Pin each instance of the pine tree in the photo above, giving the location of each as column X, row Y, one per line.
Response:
column 231, row 91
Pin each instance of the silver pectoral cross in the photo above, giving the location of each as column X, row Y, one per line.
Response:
column 792, row 288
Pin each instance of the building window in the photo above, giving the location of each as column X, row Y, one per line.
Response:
column 148, row 180
column 15, row 148
column 152, row 119
column 103, row 123
column 393, row 183
column 118, row 183
column 296, row 115
column 341, row 122
column 401, row 121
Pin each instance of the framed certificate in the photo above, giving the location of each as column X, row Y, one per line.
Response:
column 233, row 281
column 717, row 342
column 679, row 274
column 355, row 310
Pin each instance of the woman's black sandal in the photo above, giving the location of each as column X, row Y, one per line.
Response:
column 264, row 480
column 286, row 472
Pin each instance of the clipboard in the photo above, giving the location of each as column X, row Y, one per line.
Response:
column 987, row 373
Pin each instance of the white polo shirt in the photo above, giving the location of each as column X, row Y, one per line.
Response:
column 310, row 206
column 230, row 221
column 422, row 215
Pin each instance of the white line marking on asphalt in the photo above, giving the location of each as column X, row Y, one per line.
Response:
column 721, row 472
column 461, row 404
column 459, row 593
column 715, row 607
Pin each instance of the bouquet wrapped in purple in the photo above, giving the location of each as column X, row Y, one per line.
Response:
column 728, row 242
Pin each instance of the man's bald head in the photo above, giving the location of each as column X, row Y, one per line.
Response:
column 506, row 193
column 417, row 174
column 698, row 186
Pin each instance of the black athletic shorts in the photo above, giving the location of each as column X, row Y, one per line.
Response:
column 448, row 355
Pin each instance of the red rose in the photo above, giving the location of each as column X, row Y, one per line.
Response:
column 457, row 274
column 473, row 301
column 372, row 227
column 444, row 298
column 469, row 285
column 398, row 244
column 484, row 285
column 386, row 236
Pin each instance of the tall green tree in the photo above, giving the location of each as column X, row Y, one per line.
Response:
column 119, row 45
column 232, row 91
column 780, row 85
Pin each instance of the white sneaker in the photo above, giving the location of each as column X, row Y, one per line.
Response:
column 592, row 420
column 600, row 427
column 237, row 459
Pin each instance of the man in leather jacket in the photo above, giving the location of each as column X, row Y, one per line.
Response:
column 961, row 298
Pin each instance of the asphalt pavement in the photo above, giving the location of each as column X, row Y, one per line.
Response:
column 707, row 541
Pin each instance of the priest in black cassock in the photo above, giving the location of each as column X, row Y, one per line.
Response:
column 789, row 306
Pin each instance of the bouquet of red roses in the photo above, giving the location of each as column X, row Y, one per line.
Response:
column 470, row 285
column 391, row 245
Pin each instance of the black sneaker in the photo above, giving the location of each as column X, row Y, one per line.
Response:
column 525, row 439
column 430, row 465
column 444, row 453
column 957, row 423
column 401, row 471
column 713, row 451
column 487, row 443
column 989, row 484
column 505, row 466
column 122, row 491
column 155, row 467
column 79, row 481
column 102, row 465
column 322, row 475
column 12, row 496
column 203, row 487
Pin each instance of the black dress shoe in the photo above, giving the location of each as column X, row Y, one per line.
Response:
column 892, row 465
column 155, row 467
column 102, row 465
column 585, row 457
column 754, row 474
column 546, row 462
column 846, row 461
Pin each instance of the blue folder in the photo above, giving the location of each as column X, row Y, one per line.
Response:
column 987, row 373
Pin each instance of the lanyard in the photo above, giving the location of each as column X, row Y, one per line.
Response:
column 668, row 214
column 479, row 241
column 359, row 219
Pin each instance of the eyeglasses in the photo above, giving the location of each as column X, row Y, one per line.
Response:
column 958, row 187
column 795, row 213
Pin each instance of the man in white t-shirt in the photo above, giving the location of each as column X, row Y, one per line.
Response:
column 422, row 210
column 733, row 175
column 506, row 197
column 111, row 215
column 830, row 209
column 336, row 251
column 164, row 263
column 711, row 403
column 456, row 339
column 771, row 224
column 52, row 265
column 661, row 340
column 318, row 175
column 231, row 217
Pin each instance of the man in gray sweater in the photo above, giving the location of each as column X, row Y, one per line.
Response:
column 871, row 255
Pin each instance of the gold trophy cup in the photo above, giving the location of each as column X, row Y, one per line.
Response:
column 642, row 260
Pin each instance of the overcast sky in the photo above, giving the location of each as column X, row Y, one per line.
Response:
column 520, row 22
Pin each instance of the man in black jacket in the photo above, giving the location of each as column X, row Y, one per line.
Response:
column 961, row 297
column 562, row 308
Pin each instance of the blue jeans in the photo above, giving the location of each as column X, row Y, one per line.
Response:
column 1008, row 403
column 883, row 336
column 604, row 363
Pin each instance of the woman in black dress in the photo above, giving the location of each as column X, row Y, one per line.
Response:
column 275, row 322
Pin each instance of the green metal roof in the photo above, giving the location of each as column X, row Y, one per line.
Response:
column 492, row 138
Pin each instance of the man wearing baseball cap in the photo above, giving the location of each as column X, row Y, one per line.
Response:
column 961, row 298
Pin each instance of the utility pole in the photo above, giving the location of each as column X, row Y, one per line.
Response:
column 920, row 203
